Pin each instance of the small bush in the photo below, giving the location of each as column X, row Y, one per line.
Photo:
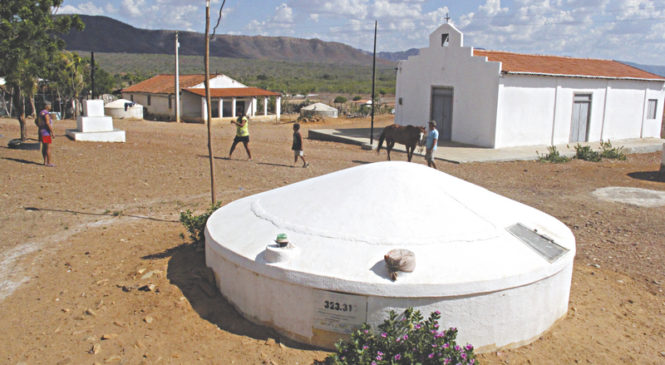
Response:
column 196, row 224
column 607, row 151
column 586, row 153
column 340, row 100
column 404, row 339
column 553, row 156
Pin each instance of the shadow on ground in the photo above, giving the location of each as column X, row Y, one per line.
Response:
column 645, row 175
column 22, row 161
column 187, row 270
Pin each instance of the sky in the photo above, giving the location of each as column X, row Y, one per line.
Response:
column 625, row 30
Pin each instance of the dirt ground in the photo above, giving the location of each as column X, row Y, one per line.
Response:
column 82, row 242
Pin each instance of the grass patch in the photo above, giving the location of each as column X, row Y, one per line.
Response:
column 552, row 156
column 196, row 224
column 586, row 153
column 608, row 151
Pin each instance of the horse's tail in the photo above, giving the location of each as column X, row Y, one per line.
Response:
column 381, row 138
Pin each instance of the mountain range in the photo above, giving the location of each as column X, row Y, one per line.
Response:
column 104, row 34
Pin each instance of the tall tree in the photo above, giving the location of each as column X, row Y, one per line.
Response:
column 67, row 75
column 28, row 44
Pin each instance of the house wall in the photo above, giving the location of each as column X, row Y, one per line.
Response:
column 473, row 80
column 159, row 103
column 220, row 82
column 537, row 110
column 191, row 107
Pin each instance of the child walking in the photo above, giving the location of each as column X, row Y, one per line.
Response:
column 297, row 146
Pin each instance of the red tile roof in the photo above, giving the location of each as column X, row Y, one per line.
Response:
column 234, row 92
column 165, row 84
column 555, row 65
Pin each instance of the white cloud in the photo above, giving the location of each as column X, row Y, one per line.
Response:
column 280, row 23
column 134, row 7
column 86, row 8
column 387, row 9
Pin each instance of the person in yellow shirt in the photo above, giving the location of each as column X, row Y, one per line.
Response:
column 242, row 134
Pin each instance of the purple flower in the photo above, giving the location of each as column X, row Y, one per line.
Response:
column 379, row 353
column 473, row 361
column 446, row 361
column 417, row 326
column 383, row 334
column 430, row 356
column 436, row 325
column 398, row 339
column 469, row 347
column 446, row 345
column 405, row 337
column 398, row 356
column 365, row 331
column 379, row 358
column 437, row 312
column 457, row 348
column 463, row 356
column 434, row 345
column 373, row 362
column 365, row 347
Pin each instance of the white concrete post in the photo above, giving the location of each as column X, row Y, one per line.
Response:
column 233, row 108
column 204, row 109
column 278, row 106
column 265, row 106
column 254, row 105
column 221, row 107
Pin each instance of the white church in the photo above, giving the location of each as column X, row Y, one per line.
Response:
column 500, row 99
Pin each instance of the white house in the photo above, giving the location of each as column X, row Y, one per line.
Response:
column 229, row 98
column 501, row 99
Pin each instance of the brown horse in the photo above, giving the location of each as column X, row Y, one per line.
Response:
column 409, row 135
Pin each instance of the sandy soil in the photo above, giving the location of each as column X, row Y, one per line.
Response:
column 80, row 240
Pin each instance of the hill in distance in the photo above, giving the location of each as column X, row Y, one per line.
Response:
column 103, row 34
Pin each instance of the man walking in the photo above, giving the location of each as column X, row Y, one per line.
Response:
column 432, row 140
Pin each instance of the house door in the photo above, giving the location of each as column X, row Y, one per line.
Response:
column 579, row 127
column 442, row 111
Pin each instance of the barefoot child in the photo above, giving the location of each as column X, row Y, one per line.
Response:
column 297, row 146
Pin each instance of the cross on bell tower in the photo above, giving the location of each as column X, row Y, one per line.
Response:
column 447, row 18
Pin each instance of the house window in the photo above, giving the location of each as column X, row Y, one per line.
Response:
column 170, row 102
column 651, row 109
column 148, row 99
column 444, row 39
column 131, row 97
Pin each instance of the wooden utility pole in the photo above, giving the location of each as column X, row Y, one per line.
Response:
column 371, row 130
column 208, row 107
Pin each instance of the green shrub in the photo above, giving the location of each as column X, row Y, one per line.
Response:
column 403, row 339
column 586, row 153
column 553, row 156
column 340, row 100
column 196, row 224
column 607, row 151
